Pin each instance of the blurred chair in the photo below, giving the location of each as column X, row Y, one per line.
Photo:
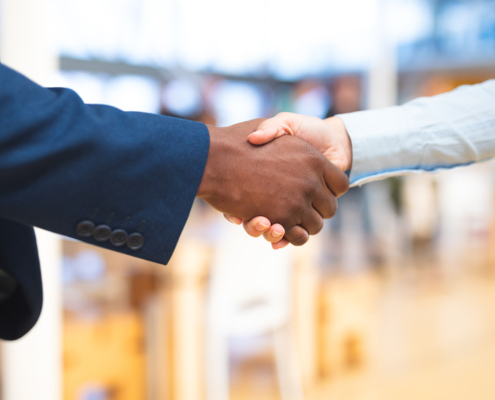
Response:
column 250, row 295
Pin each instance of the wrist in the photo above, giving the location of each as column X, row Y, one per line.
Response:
column 341, row 140
column 207, row 185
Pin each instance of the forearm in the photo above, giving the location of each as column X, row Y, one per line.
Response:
column 62, row 162
column 427, row 134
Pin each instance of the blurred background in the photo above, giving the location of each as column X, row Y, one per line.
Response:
column 393, row 300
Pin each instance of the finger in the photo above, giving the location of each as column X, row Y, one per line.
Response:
column 312, row 222
column 281, row 124
column 257, row 226
column 234, row 220
column 297, row 235
column 325, row 203
column 336, row 180
column 280, row 245
column 275, row 234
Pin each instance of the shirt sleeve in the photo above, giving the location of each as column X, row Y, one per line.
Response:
column 425, row 135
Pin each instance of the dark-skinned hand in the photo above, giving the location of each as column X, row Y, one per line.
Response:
column 287, row 180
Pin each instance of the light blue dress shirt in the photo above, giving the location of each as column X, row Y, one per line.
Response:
column 424, row 135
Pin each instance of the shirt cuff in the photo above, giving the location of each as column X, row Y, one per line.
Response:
column 385, row 142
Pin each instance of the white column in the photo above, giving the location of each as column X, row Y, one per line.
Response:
column 26, row 32
column 382, row 74
column 32, row 366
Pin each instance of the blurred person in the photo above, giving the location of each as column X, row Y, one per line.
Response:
column 424, row 135
column 126, row 181
column 311, row 98
column 346, row 95
column 346, row 98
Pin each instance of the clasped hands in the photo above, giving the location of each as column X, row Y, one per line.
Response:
column 281, row 189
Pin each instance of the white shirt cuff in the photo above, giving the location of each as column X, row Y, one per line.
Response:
column 385, row 142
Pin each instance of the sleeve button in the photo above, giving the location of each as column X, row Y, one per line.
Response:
column 102, row 233
column 118, row 237
column 135, row 241
column 85, row 228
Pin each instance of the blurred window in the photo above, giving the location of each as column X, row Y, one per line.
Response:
column 286, row 39
column 237, row 101
column 314, row 102
column 182, row 97
column 127, row 92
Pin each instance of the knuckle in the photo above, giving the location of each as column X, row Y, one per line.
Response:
column 330, row 208
column 344, row 185
column 297, row 235
column 300, row 239
column 317, row 227
column 334, row 205
column 338, row 182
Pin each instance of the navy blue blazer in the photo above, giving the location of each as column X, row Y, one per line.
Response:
column 124, row 181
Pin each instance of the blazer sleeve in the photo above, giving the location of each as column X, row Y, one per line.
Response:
column 124, row 181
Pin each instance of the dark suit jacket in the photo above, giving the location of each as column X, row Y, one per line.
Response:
column 124, row 181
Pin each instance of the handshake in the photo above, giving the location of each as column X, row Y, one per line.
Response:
column 278, row 186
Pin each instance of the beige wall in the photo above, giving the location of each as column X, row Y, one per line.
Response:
column 31, row 367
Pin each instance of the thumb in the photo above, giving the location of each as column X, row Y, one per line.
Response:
column 265, row 134
column 271, row 129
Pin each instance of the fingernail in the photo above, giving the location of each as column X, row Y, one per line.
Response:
column 229, row 219
column 261, row 227
column 276, row 234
